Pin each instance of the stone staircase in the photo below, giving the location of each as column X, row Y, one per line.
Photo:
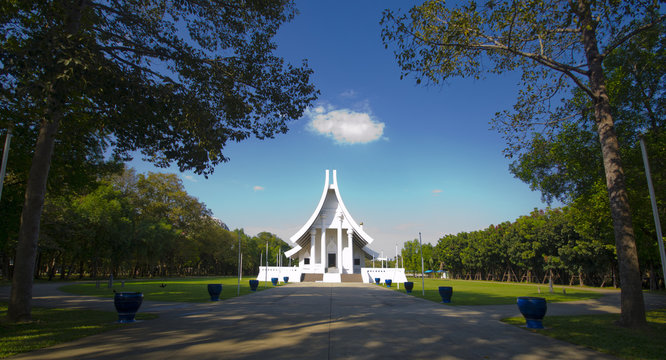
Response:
column 312, row 277
column 351, row 278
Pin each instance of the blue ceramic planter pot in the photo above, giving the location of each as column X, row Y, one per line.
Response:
column 254, row 284
column 274, row 281
column 445, row 292
column 214, row 291
column 127, row 304
column 286, row 279
column 409, row 286
column 377, row 280
column 388, row 282
column 533, row 310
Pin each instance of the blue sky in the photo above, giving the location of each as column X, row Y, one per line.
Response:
column 409, row 158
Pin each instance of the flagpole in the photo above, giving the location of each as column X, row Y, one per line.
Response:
column 422, row 275
column 240, row 267
column 5, row 154
column 396, row 265
column 653, row 201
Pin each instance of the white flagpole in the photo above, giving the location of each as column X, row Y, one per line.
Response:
column 5, row 154
column 655, row 212
column 422, row 280
column 396, row 265
column 240, row 267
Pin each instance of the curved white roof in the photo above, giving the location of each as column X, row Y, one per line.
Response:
column 361, row 236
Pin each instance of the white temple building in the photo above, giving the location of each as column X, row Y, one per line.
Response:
column 331, row 246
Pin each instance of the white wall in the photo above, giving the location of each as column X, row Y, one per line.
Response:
column 280, row 272
column 397, row 275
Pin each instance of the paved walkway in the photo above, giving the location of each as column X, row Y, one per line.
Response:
column 320, row 321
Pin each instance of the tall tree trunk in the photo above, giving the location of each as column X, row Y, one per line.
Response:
column 632, row 304
column 20, row 302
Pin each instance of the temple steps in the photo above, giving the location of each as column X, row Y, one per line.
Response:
column 312, row 277
column 351, row 278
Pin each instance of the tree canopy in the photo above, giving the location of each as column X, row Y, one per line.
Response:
column 174, row 80
column 565, row 163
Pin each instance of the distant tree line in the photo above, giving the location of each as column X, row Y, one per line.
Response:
column 564, row 244
column 534, row 248
column 139, row 225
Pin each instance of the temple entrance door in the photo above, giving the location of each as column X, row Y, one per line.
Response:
column 331, row 260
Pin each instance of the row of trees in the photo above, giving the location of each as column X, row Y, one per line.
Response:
column 545, row 244
column 131, row 225
column 100, row 219
column 560, row 244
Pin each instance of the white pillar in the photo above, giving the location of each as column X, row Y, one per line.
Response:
column 350, row 244
column 313, row 234
column 339, row 249
column 323, row 244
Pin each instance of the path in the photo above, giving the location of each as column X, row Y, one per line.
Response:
column 318, row 321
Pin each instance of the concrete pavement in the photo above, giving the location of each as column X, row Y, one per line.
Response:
column 319, row 321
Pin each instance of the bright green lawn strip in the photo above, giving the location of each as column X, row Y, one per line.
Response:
column 600, row 333
column 468, row 292
column 182, row 290
column 54, row 326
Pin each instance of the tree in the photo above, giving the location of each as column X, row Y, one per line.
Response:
column 564, row 165
column 555, row 45
column 175, row 80
column 77, row 165
column 411, row 255
column 106, row 218
column 276, row 246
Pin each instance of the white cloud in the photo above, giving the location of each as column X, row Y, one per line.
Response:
column 436, row 192
column 190, row 178
column 348, row 93
column 344, row 125
column 258, row 188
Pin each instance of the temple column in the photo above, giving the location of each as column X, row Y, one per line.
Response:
column 350, row 244
column 339, row 249
column 323, row 243
column 313, row 234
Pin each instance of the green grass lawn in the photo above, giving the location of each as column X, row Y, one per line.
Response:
column 599, row 332
column 54, row 326
column 467, row 292
column 184, row 290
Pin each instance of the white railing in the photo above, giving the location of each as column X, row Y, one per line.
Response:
column 397, row 275
column 294, row 273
